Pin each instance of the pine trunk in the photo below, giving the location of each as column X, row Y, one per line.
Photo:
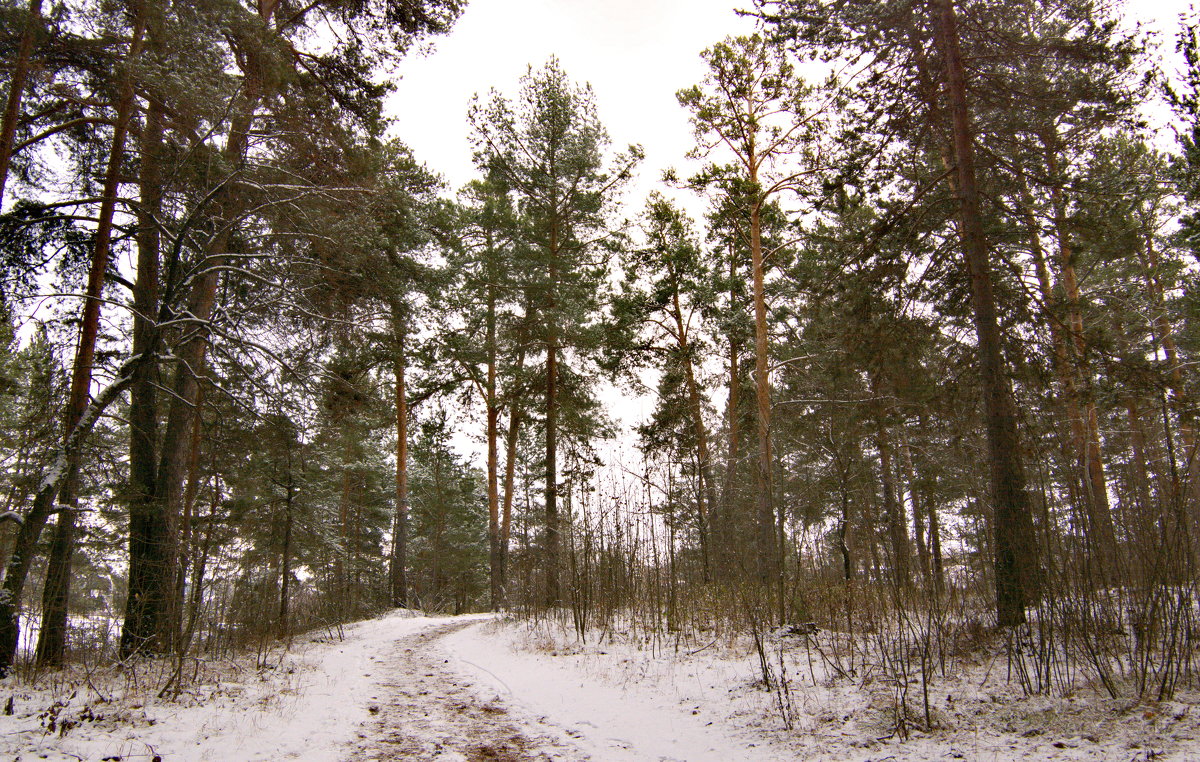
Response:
column 918, row 512
column 725, row 525
column 553, row 589
column 398, row 564
column 285, row 554
column 707, row 494
column 766, row 545
column 1016, row 565
column 57, row 591
column 145, row 529
column 1180, row 401
column 1084, row 418
column 894, row 512
column 21, row 559
column 511, row 440
column 151, row 607
column 56, row 594
column 16, row 91
column 492, row 403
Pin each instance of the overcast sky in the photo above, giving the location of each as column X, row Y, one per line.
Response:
column 635, row 53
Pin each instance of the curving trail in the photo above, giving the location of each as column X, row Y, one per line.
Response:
column 424, row 709
column 465, row 689
column 410, row 687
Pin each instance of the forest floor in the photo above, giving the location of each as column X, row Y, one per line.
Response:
column 405, row 687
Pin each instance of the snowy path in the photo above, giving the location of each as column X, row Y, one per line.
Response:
column 456, row 690
column 610, row 720
column 466, row 688
column 405, row 687
column 428, row 710
column 400, row 687
column 306, row 706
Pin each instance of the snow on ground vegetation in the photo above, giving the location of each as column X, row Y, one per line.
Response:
column 305, row 703
column 626, row 696
column 474, row 688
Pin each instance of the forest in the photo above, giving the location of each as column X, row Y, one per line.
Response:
column 921, row 371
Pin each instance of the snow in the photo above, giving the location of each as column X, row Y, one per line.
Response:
column 625, row 697
column 405, row 686
column 609, row 715
column 303, row 704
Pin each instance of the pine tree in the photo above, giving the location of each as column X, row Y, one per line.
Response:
column 547, row 151
column 666, row 289
column 753, row 110
column 449, row 549
column 287, row 85
column 17, row 83
column 929, row 95
column 489, row 300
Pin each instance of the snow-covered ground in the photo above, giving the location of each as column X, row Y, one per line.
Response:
column 306, row 704
column 624, row 698
column 406, row 687
column 616, row 703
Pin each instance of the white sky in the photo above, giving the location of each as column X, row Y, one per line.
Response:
column 635, row 53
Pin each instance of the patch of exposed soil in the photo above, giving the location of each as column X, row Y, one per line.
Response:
column 426, row 711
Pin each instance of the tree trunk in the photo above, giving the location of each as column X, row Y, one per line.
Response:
column 341, row 564
column 843, row 535
column 553, row 589
column 918, row 512
column 894, row 512
column 196, row 598
column 57, row 591
column 285, row 553
column 146, row 529
column 1084, row 418
column 397, row 569
column 17, row 571
column 436, row 541
column 707, row 496
column 148, row 613
column 769, row 567
column 56, row 594
column 19, row 561
column 1074, row 453
column 725, row 534
column 1151, row 486
column 1151, row 520
column 178, row 640
column 1180, row 402
column 511, row 440
column 495, row 556
column 935, row 548
column 161, row 565
column 16, row 91
column 1016, row 565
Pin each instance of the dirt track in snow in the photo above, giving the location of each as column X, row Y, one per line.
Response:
column 426, row 711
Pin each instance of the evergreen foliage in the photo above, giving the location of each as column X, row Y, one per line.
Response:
column 928, row 356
